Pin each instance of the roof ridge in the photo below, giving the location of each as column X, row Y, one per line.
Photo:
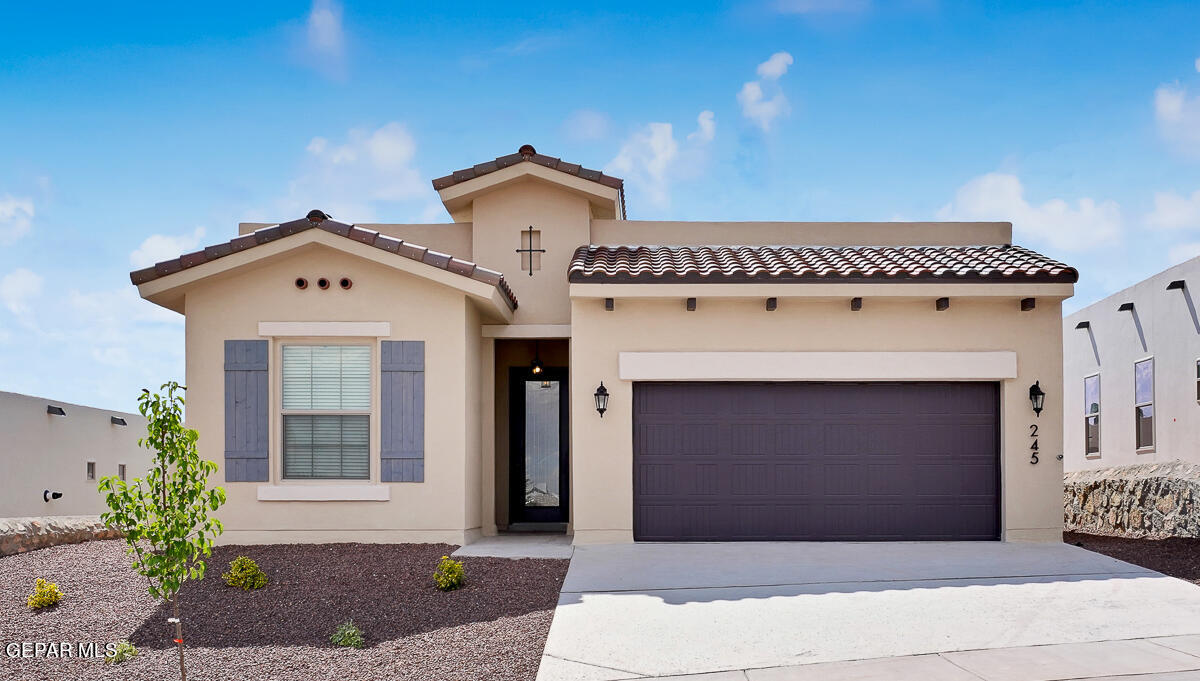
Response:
column 319, row 220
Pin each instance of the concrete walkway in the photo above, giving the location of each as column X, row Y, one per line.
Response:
column 519, row 546
column 953, row 611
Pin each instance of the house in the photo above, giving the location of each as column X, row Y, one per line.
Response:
column 1132, row 372
column 54, row 453
column 543, row 362
column 1132, row 400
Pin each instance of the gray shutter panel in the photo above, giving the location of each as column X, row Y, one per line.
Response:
column 246, row 401
column 402, row 411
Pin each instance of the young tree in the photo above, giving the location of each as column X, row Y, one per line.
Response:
column 165, row 517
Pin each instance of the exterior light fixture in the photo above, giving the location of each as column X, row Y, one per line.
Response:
column 117, row 421
column 601, row 396
column 1037, row 396
column 535, row 367
column 55, row 410
column 48, row 495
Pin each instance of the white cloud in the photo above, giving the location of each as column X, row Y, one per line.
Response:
column 18, row 288
column 706, row 128
column 775, row 66
column 652, row 159
column 822, row 6
column 1172, row 211
column 1001, row 197
column 325, row 33
column 1181, row 252
column 16, row 217
column 586, row 125
column 350, row 180
column 1178, row 118
column 753, row 97
column 159, row 247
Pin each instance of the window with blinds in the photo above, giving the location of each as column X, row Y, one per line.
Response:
column 326, row 411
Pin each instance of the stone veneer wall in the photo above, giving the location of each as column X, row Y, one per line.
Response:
column 1152, row 501
column 18, row 535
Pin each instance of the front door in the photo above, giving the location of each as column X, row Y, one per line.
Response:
column 538, row 445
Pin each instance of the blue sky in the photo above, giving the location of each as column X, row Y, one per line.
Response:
column 129, row 134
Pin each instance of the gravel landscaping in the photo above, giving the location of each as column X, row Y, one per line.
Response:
column 1176, row 556
column 493, row 628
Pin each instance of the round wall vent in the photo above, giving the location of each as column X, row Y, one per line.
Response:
column 346, row 283
column 301, row 283
column 323, row 283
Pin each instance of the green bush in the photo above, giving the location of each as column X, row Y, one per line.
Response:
column 245, row 574
column 125, row 651
column 449, row 574
column 45, row 594
column 347, row 635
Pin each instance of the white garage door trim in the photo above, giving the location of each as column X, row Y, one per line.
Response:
column 817, row 366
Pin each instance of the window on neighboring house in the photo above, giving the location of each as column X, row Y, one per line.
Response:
column 91, row 470
column 326, row 411
column 1143, row 397
column 1198, row 380
column 121, row 471
column 1091, row 414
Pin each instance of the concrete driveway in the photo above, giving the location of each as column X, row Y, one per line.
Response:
column 953, row 611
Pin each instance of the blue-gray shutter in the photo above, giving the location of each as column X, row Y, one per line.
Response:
column 246, row 402
column 402, row 411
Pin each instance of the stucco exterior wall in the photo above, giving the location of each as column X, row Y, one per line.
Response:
column 602, row 449
column 1170, row 333
column 231, row 305
column 802, row 233
column 40, row 451
column 563, row 219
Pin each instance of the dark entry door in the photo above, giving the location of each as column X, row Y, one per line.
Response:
column 816, row 461
column 538, row 445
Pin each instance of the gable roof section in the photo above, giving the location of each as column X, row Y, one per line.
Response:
column 318, row 220
column 782, row 264
column 527, row 154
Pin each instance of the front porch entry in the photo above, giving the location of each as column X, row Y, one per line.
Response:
column 532, row 435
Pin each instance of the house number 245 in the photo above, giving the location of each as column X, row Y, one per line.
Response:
column 1033, row 433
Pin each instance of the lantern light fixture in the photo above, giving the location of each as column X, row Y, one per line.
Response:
column 1037, row 397
column 535, row 367
column 601, row 396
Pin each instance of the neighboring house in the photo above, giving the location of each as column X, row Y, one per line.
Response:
column 49, row 447
column 765, row 381
column 1132, row 373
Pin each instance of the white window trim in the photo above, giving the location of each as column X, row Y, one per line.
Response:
column 1153, row 393
column 325, row 492
column 325, row 329
column 370, row 412
column 1099, row 417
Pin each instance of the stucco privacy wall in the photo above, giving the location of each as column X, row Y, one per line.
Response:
column 602, row 449
column 40, row 451
column 1170, row 328
column 231, row 305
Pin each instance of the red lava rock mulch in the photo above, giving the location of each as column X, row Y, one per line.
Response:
column 493, row 628
column 1175, row 556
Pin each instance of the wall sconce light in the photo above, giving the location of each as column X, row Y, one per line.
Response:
column 55, row 410
column 1037, row 396
column 48, row 495
column 117, row 421
column 601, row 396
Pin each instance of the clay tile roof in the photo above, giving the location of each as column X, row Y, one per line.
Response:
column 733, row 264
column 318, row 220
column 528, row 154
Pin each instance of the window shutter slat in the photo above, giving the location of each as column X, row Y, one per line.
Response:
column 402, row 411
column 246, row 402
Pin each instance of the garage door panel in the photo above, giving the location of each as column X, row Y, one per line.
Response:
column 785, row 461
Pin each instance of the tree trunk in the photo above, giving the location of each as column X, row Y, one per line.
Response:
column 179, row 637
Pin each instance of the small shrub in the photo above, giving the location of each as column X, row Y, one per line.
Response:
column 45, row 594
column 125, row 651
column 347, row 635
column 449, row 574
column 245, row 574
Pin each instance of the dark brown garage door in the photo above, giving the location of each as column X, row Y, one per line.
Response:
column 815, row 461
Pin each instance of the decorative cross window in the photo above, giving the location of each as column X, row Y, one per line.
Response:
column 531, row 250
